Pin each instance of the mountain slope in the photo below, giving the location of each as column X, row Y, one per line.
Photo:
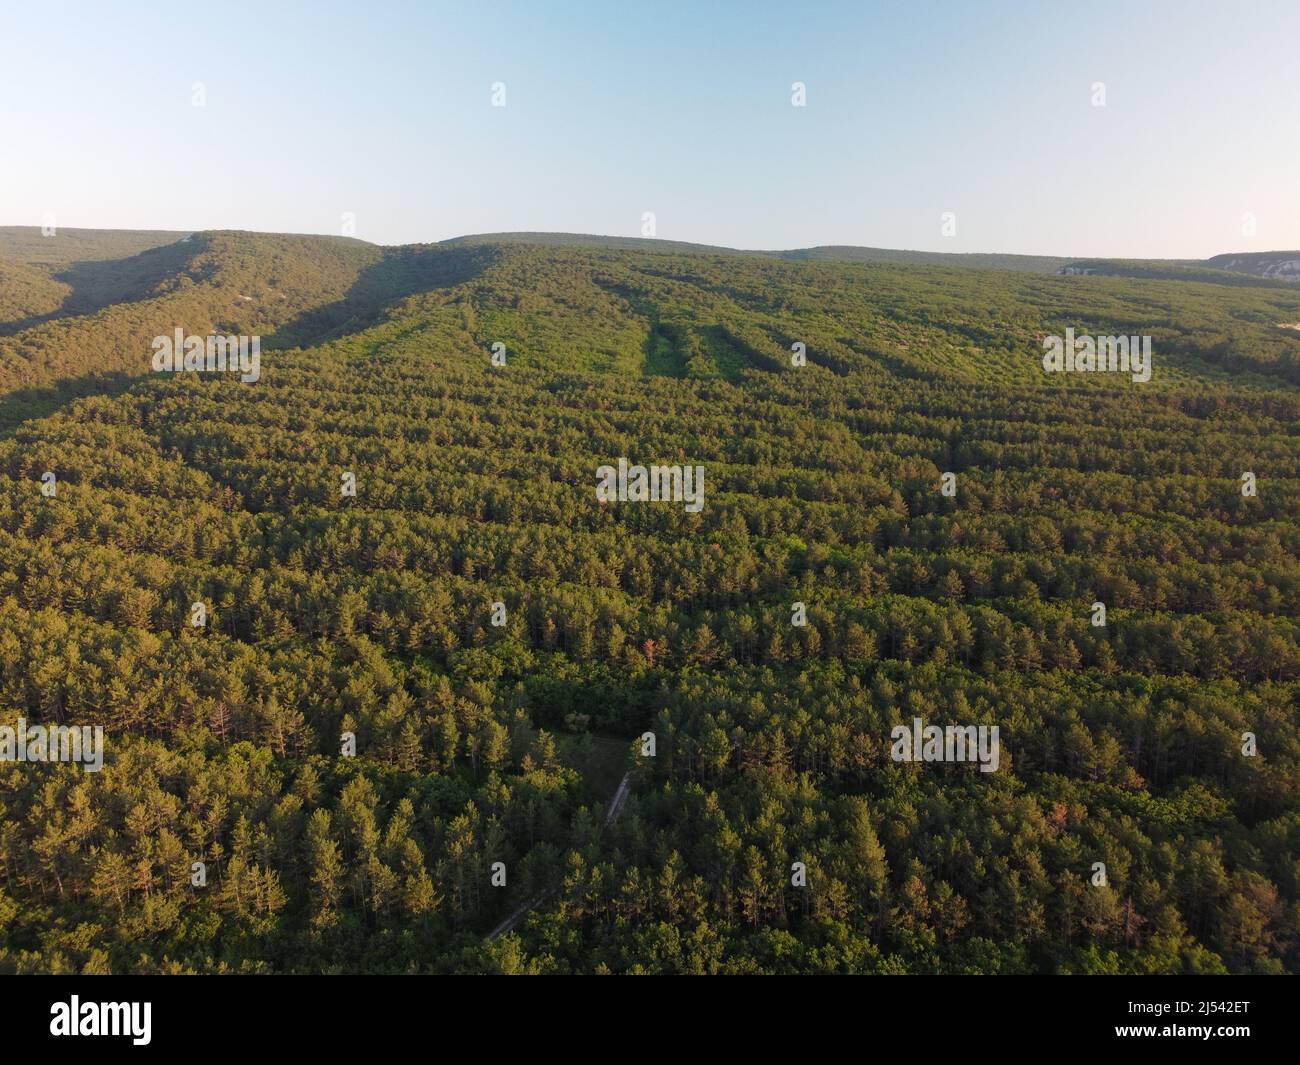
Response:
column 27, row 293
column 64, row 247
column 1274, row 265
column 697, row 312
column 102, row 332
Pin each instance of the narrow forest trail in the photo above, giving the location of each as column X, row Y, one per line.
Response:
column 611, row 814
column 510, row 922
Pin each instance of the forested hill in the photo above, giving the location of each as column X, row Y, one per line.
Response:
column 1272, row 268
column 832, row 253
column 394, row 539
column 80, row 327
column 78, row 312
column 57, row 247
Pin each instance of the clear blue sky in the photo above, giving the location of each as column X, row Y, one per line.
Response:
column 683, row 109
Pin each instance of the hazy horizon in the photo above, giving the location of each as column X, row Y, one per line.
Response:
column 663, row 240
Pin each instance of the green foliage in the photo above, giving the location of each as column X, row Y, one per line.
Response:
column 480, row 743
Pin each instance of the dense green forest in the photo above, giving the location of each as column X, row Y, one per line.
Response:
column 501, row 647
